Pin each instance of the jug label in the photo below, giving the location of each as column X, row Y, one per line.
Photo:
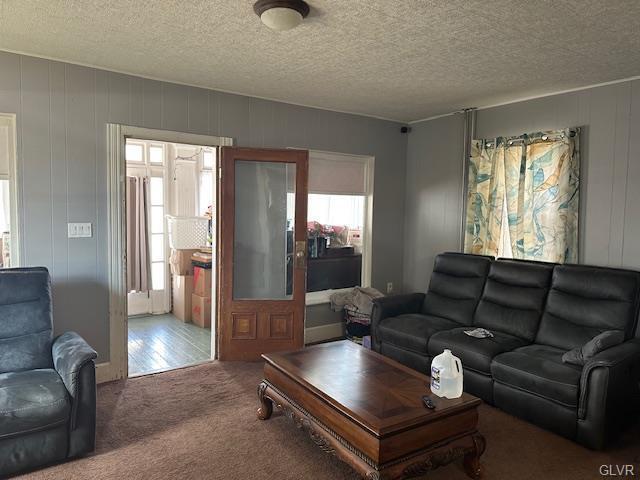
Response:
column 435, row 378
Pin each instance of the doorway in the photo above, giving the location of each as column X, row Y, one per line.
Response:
column 243, row 325
column 154, row 309
column 170, row 215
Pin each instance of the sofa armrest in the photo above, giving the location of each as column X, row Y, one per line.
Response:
column 622, row 364
column 70, row 355
column 384, row 307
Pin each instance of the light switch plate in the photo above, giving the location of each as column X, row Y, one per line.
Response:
column 79, row 230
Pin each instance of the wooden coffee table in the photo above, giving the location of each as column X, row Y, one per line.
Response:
column 367, row 410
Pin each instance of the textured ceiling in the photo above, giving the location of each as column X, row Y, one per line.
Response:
column 397, row 59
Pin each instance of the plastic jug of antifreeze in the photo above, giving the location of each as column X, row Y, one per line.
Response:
column 446, row 375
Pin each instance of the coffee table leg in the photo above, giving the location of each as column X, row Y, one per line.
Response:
column 472, row 458
column 266, row 405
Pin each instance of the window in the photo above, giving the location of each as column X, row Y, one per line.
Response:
column 337, row 210
column 158, row 268
column 147, row 160
column 134, row 152
column 206, row 191
column 338, row 216
column 208, row 159
column 156, row 154
column 523, row 197
column 205, row 199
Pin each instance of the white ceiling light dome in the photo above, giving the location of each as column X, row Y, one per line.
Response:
column 281, row 19
column 281, row 15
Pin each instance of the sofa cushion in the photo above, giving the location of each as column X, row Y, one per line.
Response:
column 514, row 297
column 586, row 301
column 417, row 361
column 25, row 319
column 456, row 285
column 538, row 369
column 32, row 400
column 475, row 353
column 604, row 341
column 412, row 331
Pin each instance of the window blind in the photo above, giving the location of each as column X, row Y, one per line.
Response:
column 336, row 174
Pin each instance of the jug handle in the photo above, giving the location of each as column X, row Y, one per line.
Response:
column 458, row 365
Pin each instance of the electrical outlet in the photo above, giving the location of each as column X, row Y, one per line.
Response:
column 79, row 230
column 389, row 287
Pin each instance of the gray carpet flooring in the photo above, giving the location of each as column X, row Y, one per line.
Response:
column 200, row 423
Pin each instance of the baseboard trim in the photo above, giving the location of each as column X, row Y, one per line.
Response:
column 106, row 373
column 323, row 332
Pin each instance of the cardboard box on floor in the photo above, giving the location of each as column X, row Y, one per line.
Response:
column 201, row 311
column 181, row 292
column 203, row 258
column 202, row 281
column 180, row 262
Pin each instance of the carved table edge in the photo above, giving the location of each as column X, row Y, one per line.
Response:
column 436, row 455
column 290, row 408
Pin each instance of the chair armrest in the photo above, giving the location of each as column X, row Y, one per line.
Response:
column 395, row 305
column 622, row 363
column 70, row 354
column 384, row 307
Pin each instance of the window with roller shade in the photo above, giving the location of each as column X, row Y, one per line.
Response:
column 340, row 191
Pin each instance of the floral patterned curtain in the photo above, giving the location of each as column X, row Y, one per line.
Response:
column 485, row 198
column 536, row 177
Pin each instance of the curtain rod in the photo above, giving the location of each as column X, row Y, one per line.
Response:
column 532, row 137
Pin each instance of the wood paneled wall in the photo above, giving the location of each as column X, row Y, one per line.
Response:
column 610, row 191
column 61, row 112
column 434, row 196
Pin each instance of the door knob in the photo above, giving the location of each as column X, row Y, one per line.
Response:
column 301, row 254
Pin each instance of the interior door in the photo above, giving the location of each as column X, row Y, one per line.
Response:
column 262, row 248
column 157, row 299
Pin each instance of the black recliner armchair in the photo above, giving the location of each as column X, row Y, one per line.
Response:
column 537, row 312
column 47, row 385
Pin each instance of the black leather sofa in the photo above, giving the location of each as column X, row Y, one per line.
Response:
column 537, row 312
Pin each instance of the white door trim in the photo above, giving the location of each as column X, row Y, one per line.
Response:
column 117, row 367
column 9, row 120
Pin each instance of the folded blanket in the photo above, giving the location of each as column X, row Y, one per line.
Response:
column 360, row 298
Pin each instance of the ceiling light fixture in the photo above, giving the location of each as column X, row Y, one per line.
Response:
column 281, row 15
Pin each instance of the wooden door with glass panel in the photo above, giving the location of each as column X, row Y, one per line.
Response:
column 262, row 246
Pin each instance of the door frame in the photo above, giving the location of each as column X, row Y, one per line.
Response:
column 117, row 366
column 10, row 120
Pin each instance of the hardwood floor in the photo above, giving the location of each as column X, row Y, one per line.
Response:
column 162, row 342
